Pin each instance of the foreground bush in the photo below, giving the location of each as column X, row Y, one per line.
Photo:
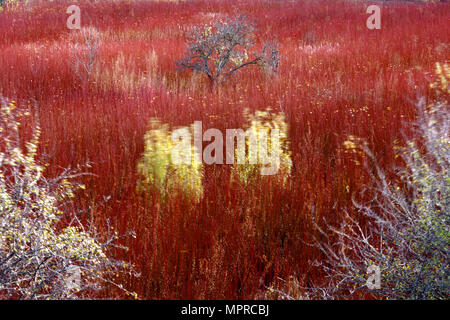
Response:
column 40, row 259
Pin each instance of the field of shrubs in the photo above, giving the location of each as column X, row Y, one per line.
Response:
column 107, row 97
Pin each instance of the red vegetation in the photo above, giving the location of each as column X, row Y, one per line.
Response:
column 336, row 78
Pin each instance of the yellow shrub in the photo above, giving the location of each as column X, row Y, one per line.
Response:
column 159, row 170
column 259, row 124
column 442, row 78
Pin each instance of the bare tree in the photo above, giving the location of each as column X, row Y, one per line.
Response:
column 86, row 54
column 221, row 49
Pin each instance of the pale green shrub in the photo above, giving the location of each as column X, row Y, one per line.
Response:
column 159, row 171
column 258, row 124
column 408, row 235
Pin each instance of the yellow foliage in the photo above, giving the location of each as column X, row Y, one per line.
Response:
column 159, row 170
column 261, row 125
column 442, row 79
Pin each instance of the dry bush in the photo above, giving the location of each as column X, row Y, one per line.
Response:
column 45, row 250
column 408, row 231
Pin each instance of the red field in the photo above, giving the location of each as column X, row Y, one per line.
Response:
column 336, row 78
